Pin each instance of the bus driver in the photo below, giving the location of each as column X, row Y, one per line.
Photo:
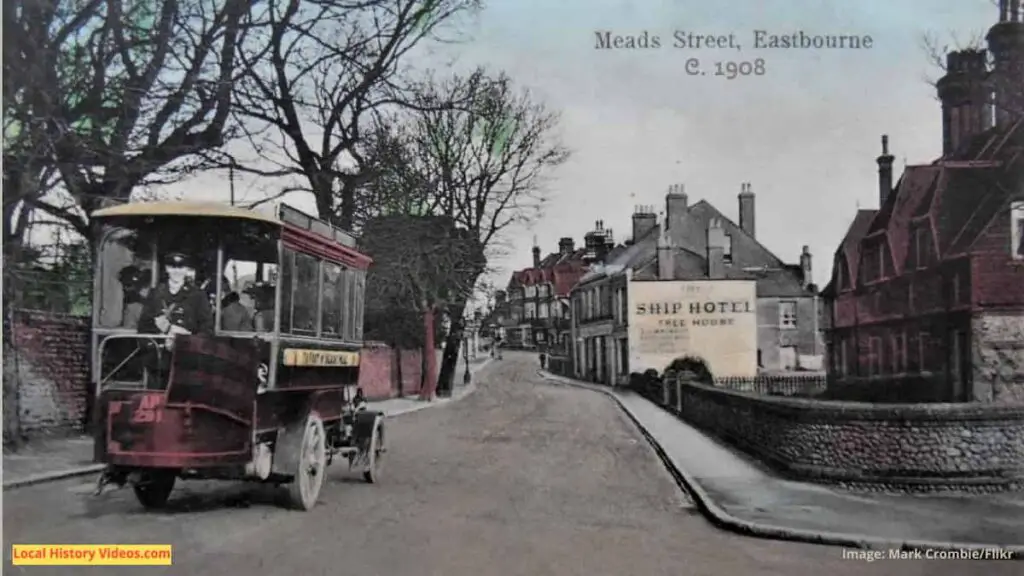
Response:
column 177, row 306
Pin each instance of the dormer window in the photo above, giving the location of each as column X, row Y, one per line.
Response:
column 727, row 250
column 1017, row 229
column 873, row 262
column 922, row 246
column 844, row 276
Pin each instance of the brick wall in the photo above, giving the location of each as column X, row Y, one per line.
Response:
column 378, row 372
column 912, row 447
column 51, row 355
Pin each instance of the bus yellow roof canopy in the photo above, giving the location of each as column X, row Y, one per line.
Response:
column 187, row 209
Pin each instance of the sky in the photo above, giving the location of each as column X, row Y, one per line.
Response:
column 805, row 134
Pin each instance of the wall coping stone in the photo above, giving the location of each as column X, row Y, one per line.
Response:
column 828, row 462
column 813, row 409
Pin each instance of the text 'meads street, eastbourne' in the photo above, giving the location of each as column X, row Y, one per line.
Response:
column 514, row 288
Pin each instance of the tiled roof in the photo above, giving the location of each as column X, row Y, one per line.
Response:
column 960, row 193
column 707, row 211
column 972, row 214
column 915, row 185
column 975, row 187
column 849, row 248
column 562, row 271
column 689, row 262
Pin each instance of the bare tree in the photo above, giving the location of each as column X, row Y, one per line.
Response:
column 318, row 71
column 486, row 164
column 422, row 265
column 112, row 95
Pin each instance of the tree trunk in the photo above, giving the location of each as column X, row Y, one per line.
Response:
column 467, row 376
column 397, row 370
column 450, row 357
column 12, row 381
column 429, row 387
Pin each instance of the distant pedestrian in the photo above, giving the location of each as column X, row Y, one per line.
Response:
column 543, row 360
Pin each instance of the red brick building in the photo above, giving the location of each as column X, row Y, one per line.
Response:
column 926, row 301
column 538, row 297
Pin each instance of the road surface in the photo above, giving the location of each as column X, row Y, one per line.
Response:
column 520, row 478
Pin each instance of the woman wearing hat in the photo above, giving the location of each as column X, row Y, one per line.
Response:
column 177, row 306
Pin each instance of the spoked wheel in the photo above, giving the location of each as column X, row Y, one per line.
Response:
column 153, row 488
column 304, row 489
column 375, row 450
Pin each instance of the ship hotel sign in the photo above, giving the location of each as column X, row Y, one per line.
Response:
column 698, row 312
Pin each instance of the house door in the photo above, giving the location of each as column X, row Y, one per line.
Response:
column 787, row 357
column 591, row 359
column 624, row 353
column 959, row 366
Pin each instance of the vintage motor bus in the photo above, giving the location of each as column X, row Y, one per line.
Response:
column 226, row 345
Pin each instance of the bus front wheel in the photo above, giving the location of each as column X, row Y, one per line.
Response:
column 153, row 488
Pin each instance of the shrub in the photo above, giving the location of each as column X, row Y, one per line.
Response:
column 693, row 364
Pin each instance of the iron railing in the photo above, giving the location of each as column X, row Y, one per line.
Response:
column 804, row 386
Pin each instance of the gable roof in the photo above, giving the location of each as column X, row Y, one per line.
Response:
column 915, row 185
column 847, row 254
column 689, row 256
column 975, row 187
column 959, row 194
column 703, row 212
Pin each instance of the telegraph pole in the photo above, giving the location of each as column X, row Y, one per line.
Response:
column 231, row 180
column 231, row 187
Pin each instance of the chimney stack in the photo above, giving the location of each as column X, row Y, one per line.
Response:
column 675, row 208
column 644, row 220
column 536, row 253
column 884, row 172
column 746, row 198
column 605, row 243
column 566, row 245
column 805, row 266
column 1006, row 44
column 716, row 250
column 965, row 96
column 666, row 260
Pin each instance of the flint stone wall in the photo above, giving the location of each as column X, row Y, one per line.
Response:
column 902, row 446
column 997, row 358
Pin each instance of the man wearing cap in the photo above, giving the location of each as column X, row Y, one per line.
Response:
column 177, row 306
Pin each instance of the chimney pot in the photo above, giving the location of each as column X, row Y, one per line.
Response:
column 747, row 209
column 675, row 207
column 805, row 266
column 884, row 172
column 644, row 220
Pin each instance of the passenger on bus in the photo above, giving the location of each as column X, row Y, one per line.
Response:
column 177, row 306
column 234, row 316
column 135, row 285
column 263, row 296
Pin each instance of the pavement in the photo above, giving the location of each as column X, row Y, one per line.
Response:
column 49, row 459
column 520, row 478
column 741, row 494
